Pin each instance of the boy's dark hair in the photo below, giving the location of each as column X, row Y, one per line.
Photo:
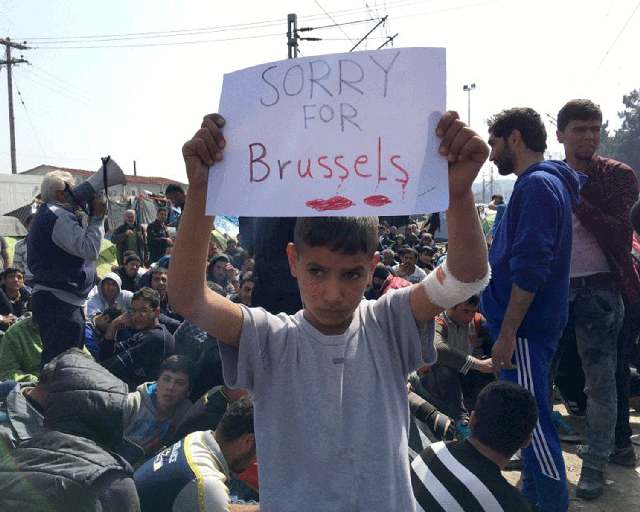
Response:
column 237, row 420
column 9, row 271
column 162, row 209
column 249, row 277
column 126, row 254
column 578, row 110
column 497, row 196
column 506, row 414
column 474, row 300
column 180, row 364
column 381, row 271
column 148, row 294
column 349, row 235
column 173, row 187
column 158, row 270
column 405, row 249
column 527, row 121
column 113, row 312
column 426, row 248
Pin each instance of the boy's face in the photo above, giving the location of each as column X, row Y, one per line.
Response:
column 172, row 388
column 331, row 284
column 14, row 281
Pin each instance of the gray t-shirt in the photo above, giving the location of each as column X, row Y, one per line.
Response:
column 331, row 412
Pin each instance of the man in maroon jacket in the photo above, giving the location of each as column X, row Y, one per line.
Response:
column 603, row 283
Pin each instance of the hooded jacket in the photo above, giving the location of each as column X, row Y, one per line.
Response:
column 20, row 420
column 70, row 466
column 98, row 303
column 143, row 422
column 532, row 248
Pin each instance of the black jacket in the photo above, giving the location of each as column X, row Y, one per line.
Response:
column 71, row 466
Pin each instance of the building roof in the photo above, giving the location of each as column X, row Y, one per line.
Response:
column 143, row 180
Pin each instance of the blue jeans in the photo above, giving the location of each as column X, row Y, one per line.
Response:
column 597, row 314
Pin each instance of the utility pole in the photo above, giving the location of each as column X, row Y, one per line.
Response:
column 9, row 62
column 292, row 36
column 468, row 89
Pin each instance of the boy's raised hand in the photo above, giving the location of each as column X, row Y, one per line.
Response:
column 204, row 149
column 465, row 152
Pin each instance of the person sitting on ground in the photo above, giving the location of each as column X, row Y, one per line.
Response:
column 206, row 412
column 411, row 239
column 463, row 367
column 425, row 258
column 236, row 254
column 408, row 268
column 383, row 281
column 107, row 293
column 97, row 327
column 14, row 297
column 20, row 253
column 128, row 272
column 194, row 474
column 137, row 359
column 130, row 236
column 389, row 258
column 465, row 475
column 352, row 354
column 221, row 272
column 22, row 411
column 247, row 267
column 153, row 411
column 158, row 237
column 20, row 352
column 246, row 290
column 72, row 465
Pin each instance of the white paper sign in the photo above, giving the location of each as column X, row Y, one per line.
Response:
column 343, row 134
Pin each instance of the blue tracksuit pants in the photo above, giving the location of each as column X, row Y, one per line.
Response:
column 544, row 477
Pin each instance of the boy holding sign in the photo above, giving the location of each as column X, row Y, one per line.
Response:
column 331, row 409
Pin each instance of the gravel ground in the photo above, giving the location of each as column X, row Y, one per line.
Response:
column 622, row 493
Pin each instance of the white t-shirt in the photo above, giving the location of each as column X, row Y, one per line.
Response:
column 586, row 254
column 331, row 412
column 415, row 277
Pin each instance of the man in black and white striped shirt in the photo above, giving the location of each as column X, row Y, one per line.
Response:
column 464, row 476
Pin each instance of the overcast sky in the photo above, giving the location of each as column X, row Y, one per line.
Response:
column 140, row 97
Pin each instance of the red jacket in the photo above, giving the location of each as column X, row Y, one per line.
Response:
column 607, row 198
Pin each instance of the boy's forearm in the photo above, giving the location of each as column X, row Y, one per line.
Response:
column 467, row 252
column 189, row 255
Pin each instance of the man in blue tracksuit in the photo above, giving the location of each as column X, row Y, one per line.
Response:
column 526, row 303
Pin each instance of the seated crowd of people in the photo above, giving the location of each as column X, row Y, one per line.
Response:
column 155, row 411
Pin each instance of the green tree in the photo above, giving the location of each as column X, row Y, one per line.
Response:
column 624, row 143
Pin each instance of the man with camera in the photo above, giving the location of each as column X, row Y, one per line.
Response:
column 62, row 257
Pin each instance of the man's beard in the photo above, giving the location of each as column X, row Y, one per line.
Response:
column 505, row 163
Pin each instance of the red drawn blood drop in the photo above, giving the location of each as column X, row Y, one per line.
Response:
column 332, row 204
column 376, row 200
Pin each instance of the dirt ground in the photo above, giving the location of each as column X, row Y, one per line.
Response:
column 622, row 493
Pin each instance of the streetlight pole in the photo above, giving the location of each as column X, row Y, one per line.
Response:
column 468, row 89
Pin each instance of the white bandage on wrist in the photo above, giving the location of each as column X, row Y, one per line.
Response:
column 446, row 291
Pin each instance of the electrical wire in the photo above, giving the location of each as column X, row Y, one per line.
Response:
column 44, row 154
column 334, row 21
column 615, row 40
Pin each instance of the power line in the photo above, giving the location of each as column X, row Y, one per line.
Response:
column 44, row 154
column 334, row 21
column 616, row 40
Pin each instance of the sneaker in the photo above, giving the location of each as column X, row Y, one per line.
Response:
column 573, row 408
column 624, row 456
column 565, row 431
column 591, row 484
column 515, row 463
